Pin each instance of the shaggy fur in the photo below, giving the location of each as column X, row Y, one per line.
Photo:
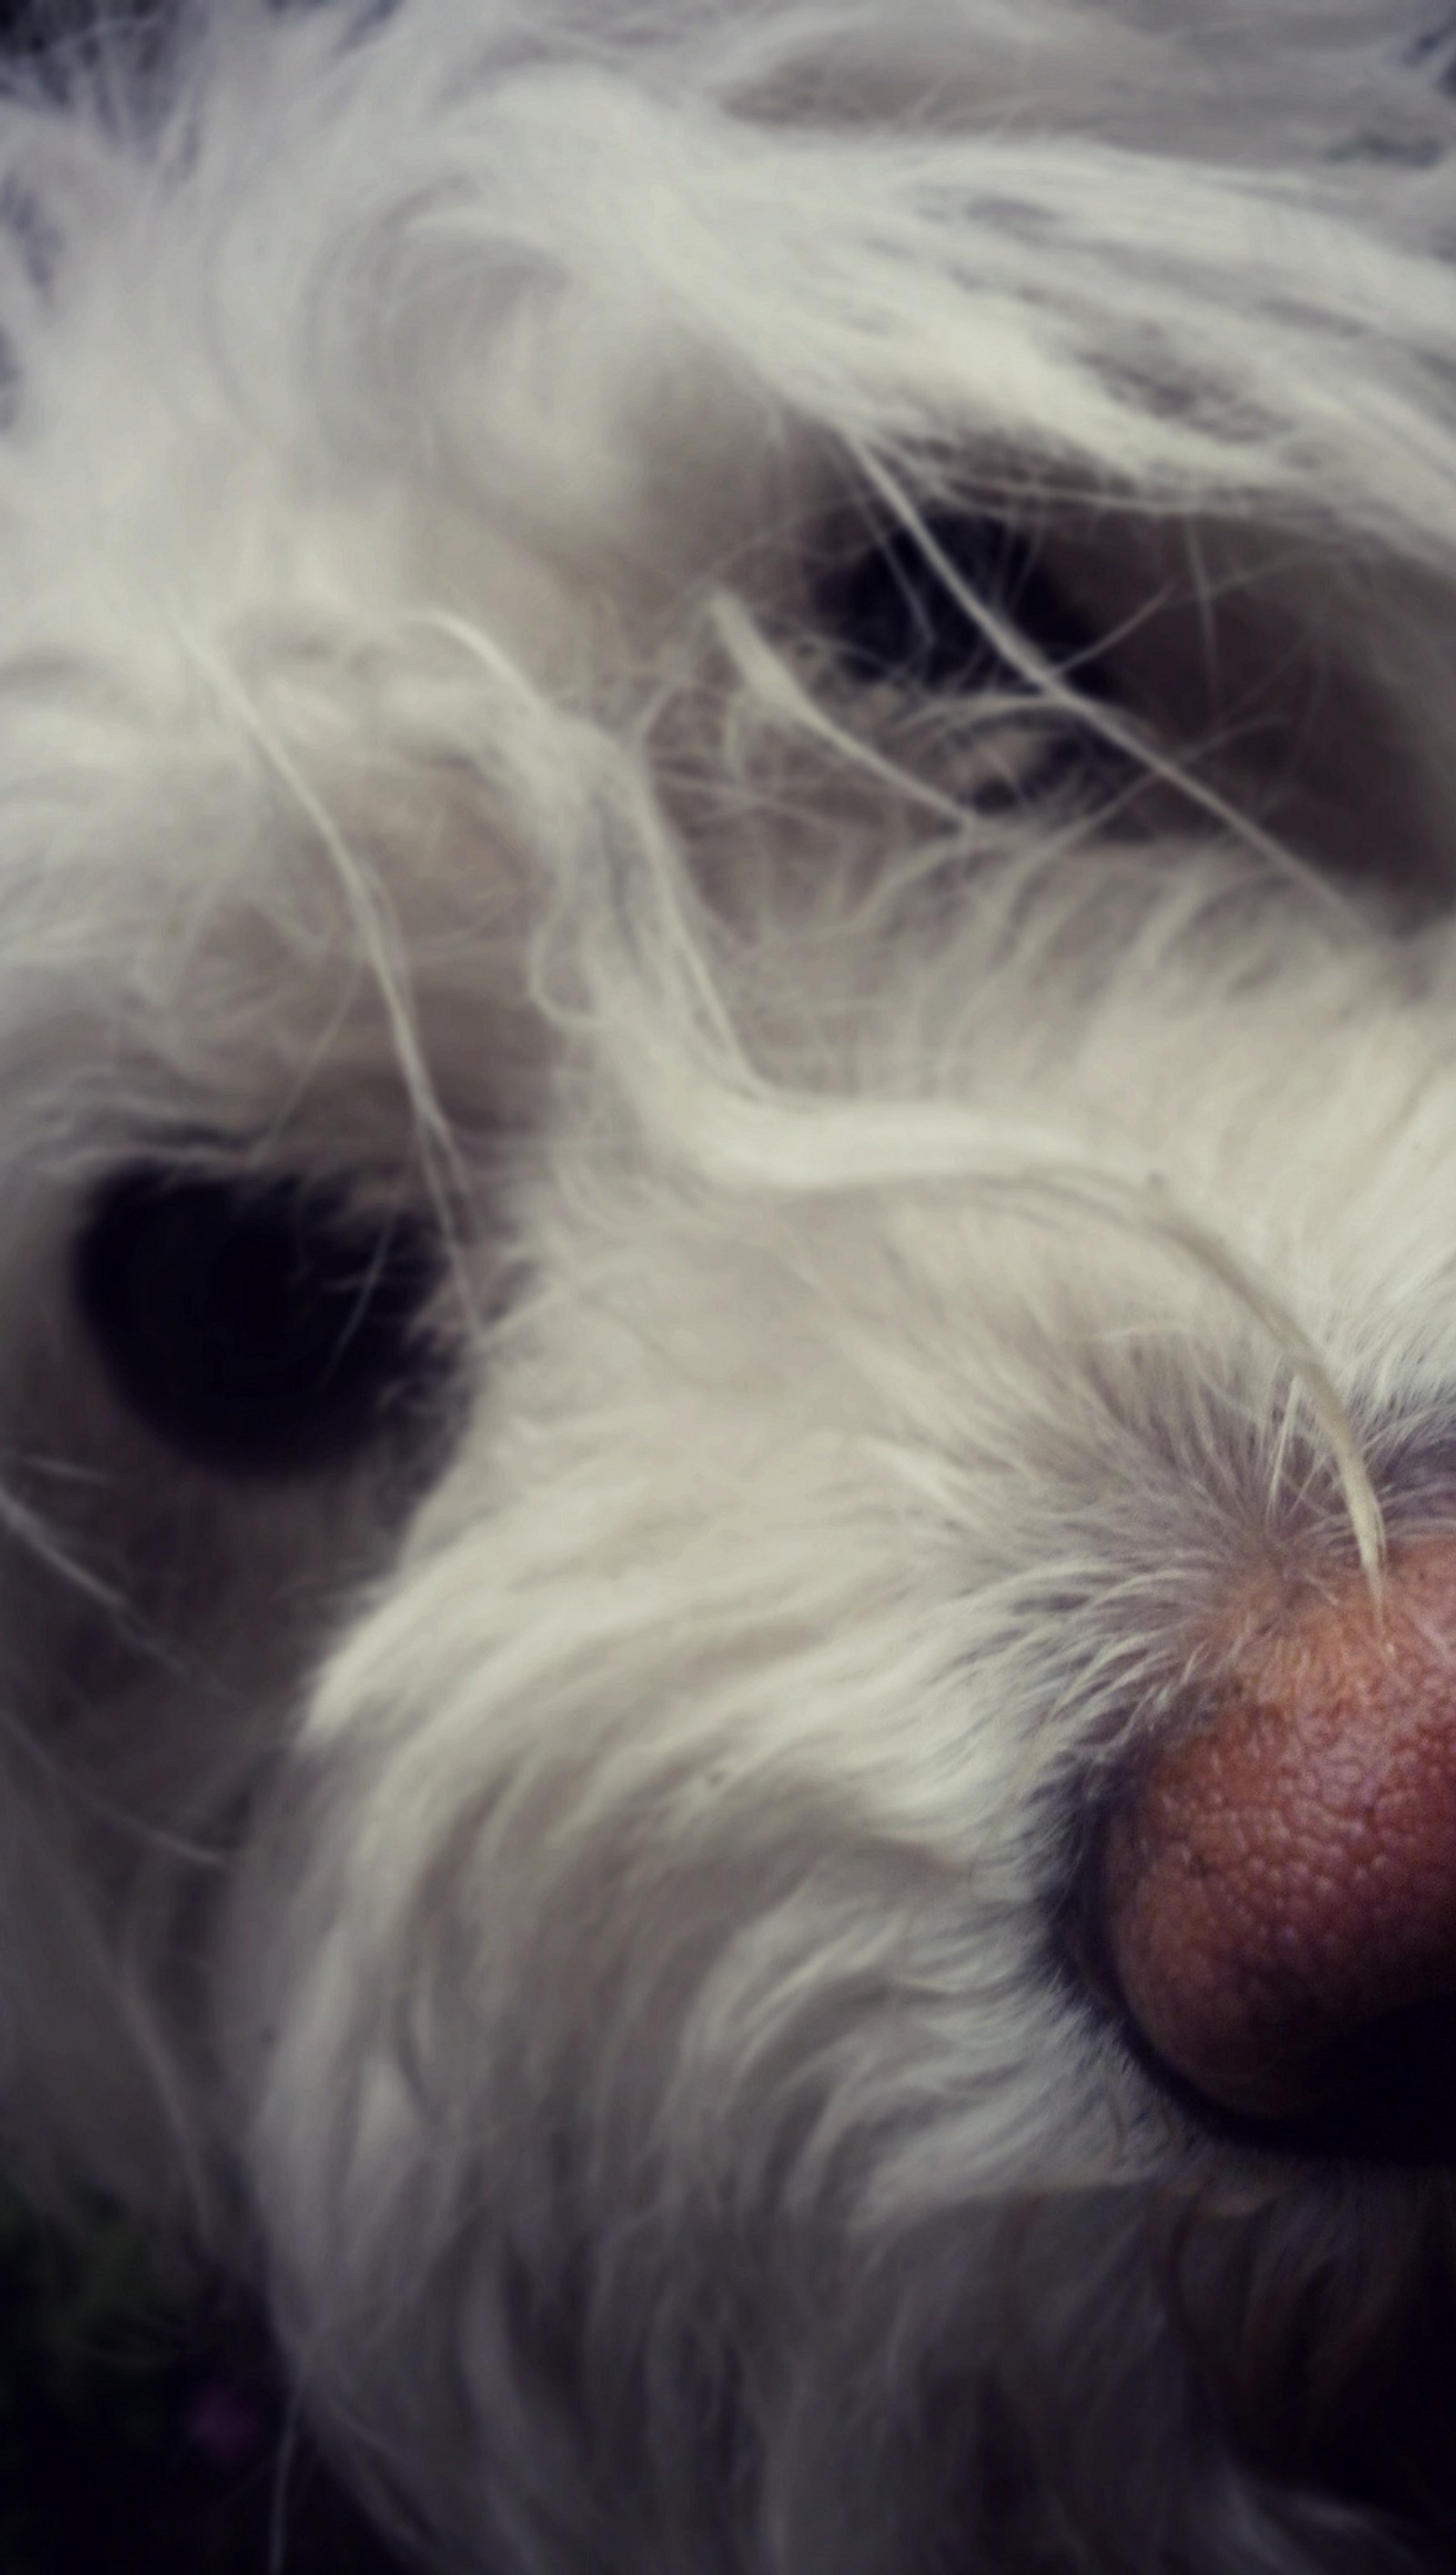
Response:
column 934, row 1169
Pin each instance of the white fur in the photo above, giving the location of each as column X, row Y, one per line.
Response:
column 572, row 1904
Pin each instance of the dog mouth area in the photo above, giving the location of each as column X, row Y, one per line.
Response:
column 1268, row 1909
column 1384, row 2099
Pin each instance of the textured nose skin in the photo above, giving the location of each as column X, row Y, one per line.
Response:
column 1280, row 1892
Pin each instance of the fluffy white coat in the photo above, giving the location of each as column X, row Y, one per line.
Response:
column 568, row 1895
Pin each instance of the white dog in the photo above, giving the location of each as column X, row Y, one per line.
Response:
column 727, row 1038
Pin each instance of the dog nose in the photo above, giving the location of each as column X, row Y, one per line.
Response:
column 1278, row 1893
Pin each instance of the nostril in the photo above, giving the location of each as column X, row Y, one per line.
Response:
column 1277, row 1896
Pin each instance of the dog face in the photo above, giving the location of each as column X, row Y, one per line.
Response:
column 727, row 1285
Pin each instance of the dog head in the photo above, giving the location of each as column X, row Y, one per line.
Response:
column 728, row 1348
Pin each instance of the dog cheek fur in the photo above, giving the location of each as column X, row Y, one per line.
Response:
column 735, row 2193
column 665, row 2052
column 658, row 2032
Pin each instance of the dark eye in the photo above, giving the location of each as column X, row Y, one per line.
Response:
column 892, row 614
column 261, row 1327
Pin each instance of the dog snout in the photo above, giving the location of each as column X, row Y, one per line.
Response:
column 1277, row 1891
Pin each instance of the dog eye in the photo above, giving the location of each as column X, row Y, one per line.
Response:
column 259, row 1327
column 892, row 614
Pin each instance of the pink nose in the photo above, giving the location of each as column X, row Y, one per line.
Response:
column 1280, row 1892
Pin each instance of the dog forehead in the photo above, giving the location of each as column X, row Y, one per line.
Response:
column 515, row 332
column 232, row 422
column 592, row 301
